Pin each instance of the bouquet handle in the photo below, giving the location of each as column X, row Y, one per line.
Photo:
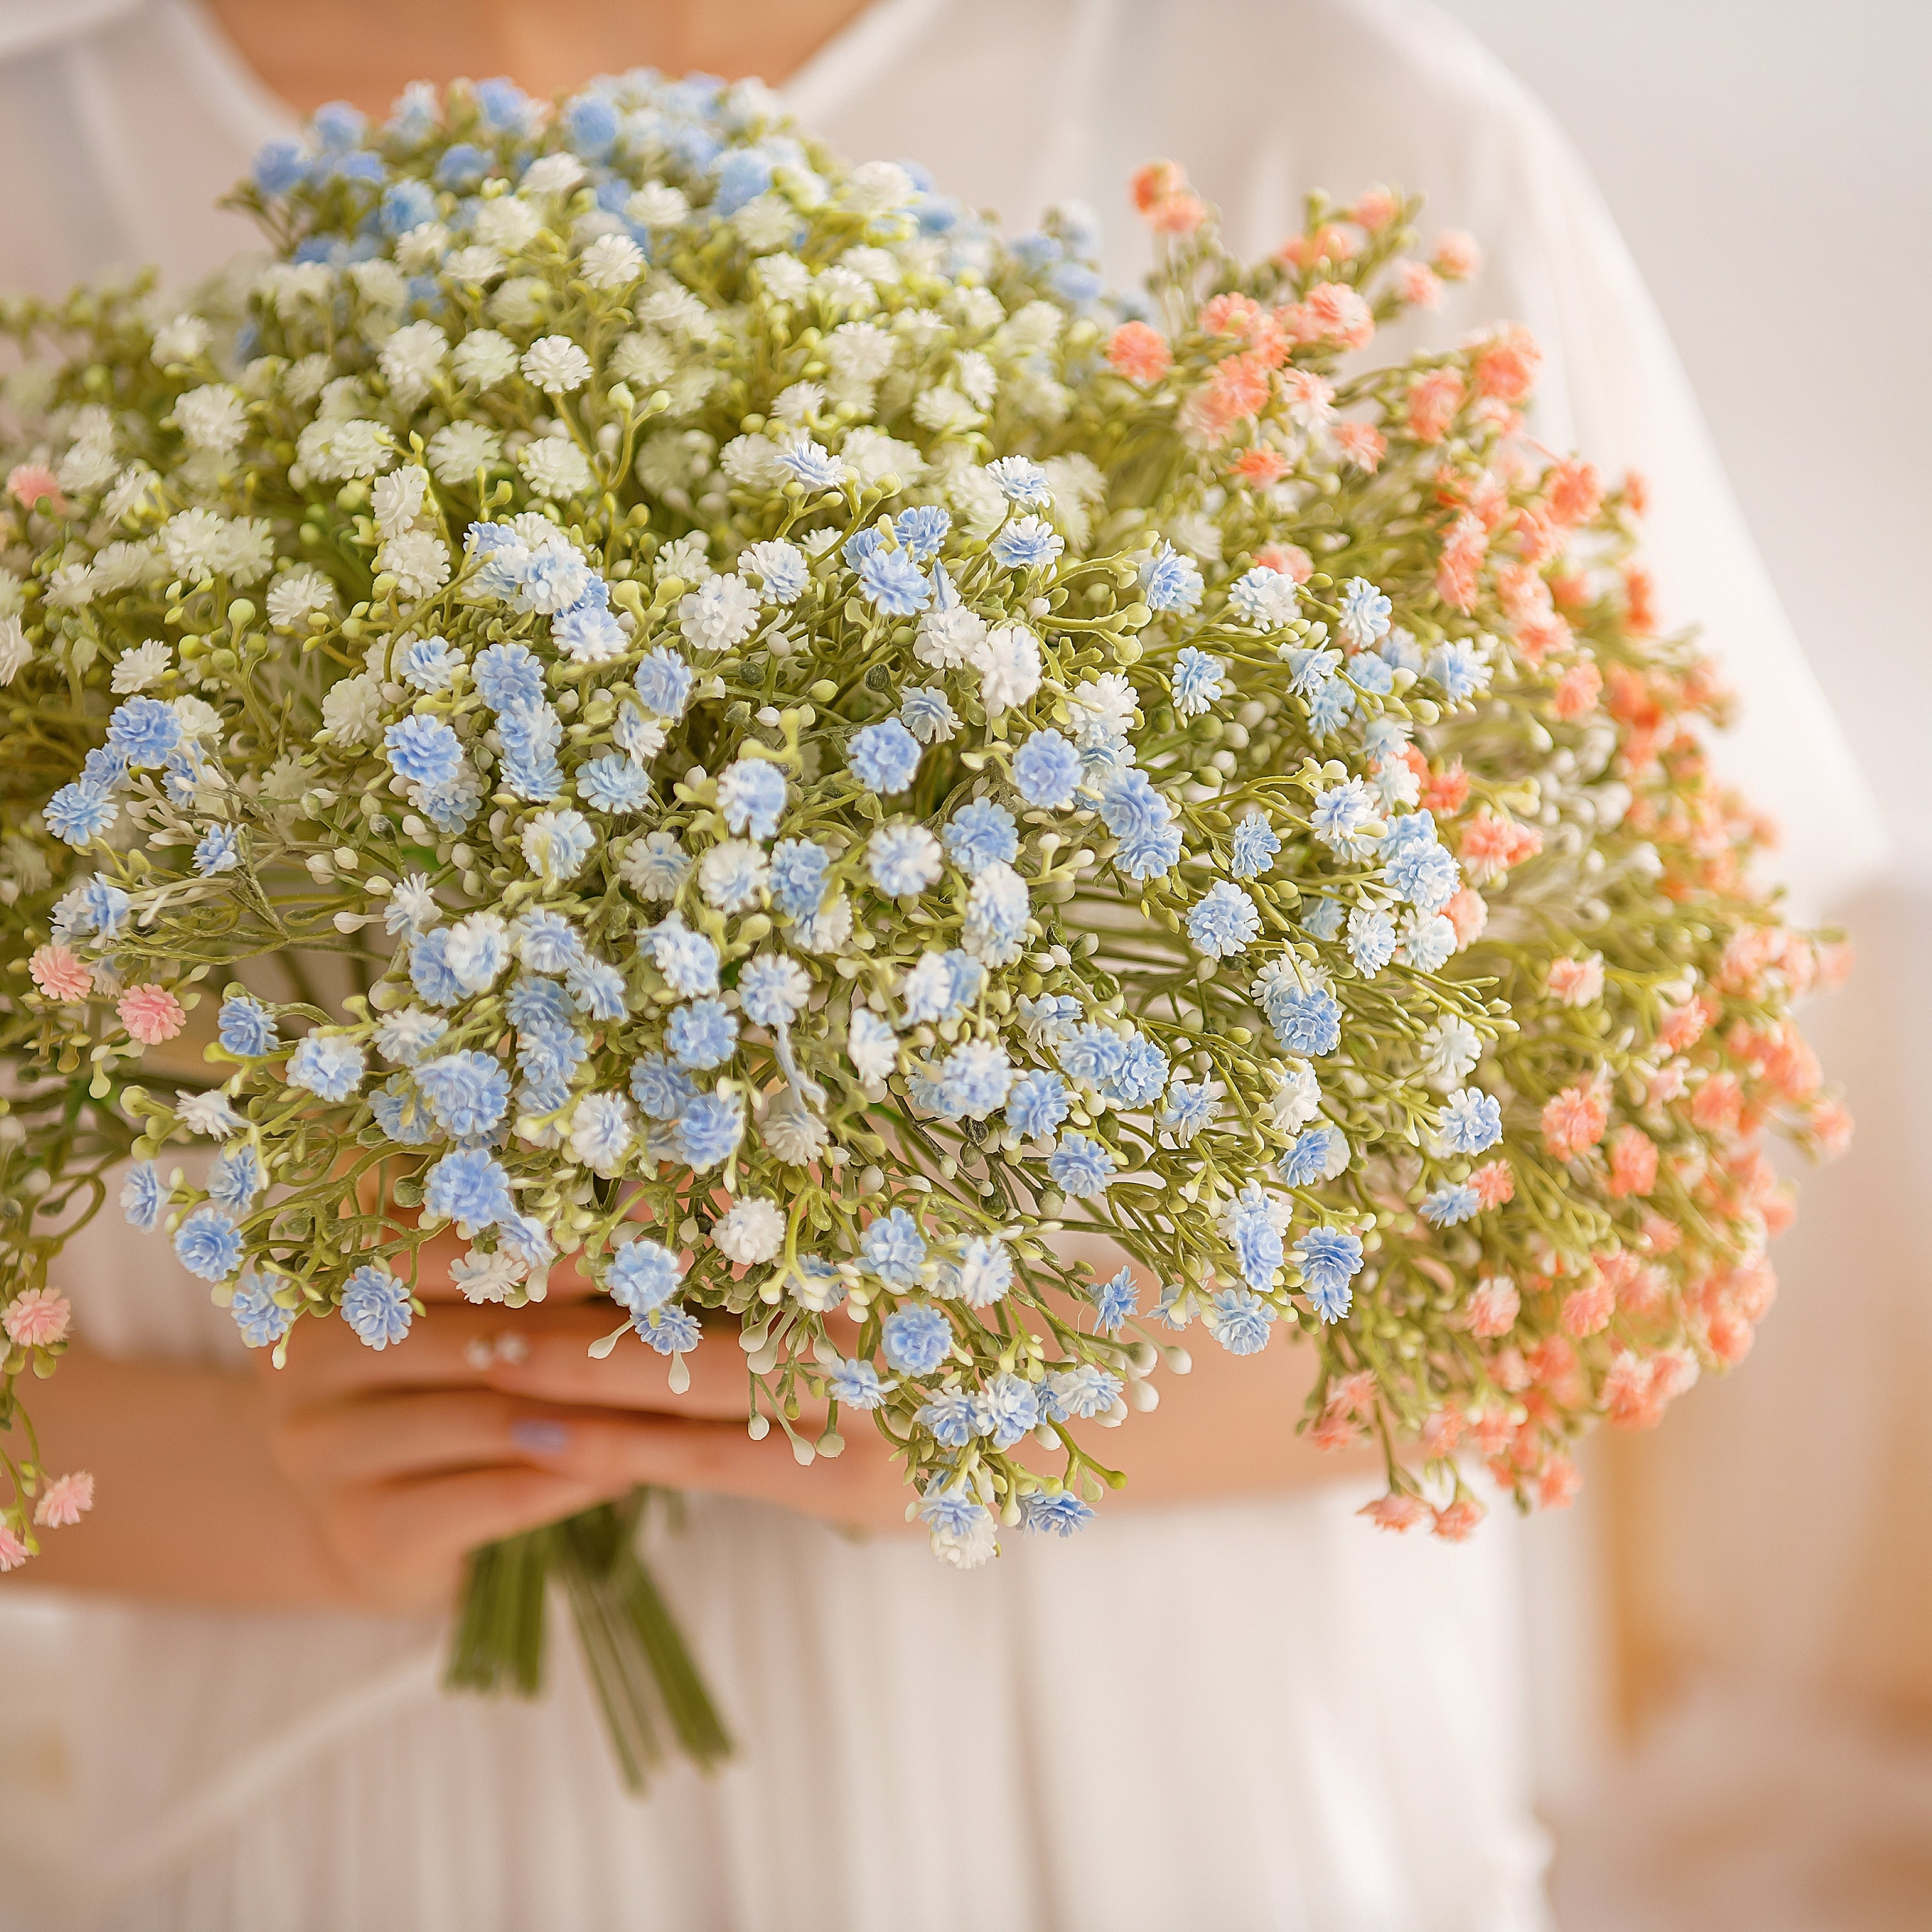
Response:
column 645, row 1677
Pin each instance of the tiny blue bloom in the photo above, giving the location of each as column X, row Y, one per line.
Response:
column 263, row 1323
column 893, row 581
column 1027, row 543
column 1197, row 681
column 1170, row 581
column 1036, row 1105
column 797, row 879
column 641, row 1276
column 702, row 1034
column 921, row 529
column 893, row 1249
column 751, row 796
column 981, row 834
column 1255, row 844
column 1450, row 1204
column 329, row 1065
column 1225, row 921
column 246, row 1027
column 1082, row 1167
column 672, row 1329
column 856, row 1384
column 218, row 849
column 468, row 1187
column 1240, row 1320
column 208, row 1244
column 1114, row 1300
column 377, row 1305
column 664, row 681
column 1329, row 1260
column 709, row 1129
column 915, row 1338
column 143, row 1197
column 1059, row 1514
column 883, row 756
column 144, row 731
column 1472, row 1122
column 79, row 813
column 466, row 1092
column 1046, row 769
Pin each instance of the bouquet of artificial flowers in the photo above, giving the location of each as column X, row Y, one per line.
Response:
column 698, row 710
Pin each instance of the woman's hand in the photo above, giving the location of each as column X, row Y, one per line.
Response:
column 488, row 1421
column 352, row 1477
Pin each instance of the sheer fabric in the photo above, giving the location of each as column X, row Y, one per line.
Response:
column 1254, row 1714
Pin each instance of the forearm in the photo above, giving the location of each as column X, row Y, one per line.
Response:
column 189, row 1506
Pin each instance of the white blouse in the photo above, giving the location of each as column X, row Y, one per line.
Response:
column 1251, row 1714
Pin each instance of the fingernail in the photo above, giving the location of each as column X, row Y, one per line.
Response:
column 541, row 1439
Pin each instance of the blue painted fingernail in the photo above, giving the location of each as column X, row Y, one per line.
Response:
column 541, row 1438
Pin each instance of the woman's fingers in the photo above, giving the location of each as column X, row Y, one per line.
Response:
column 542, row 1352
column 862, row 1488
column 413, row 1433
column 404, row 1541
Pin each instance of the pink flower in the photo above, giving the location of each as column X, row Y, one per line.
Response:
column 1457, row 1523
column 1394, row 1511
column 1229, row 314
column 1457, row 257
column 1574, row 491
column 1491, row 845
column 1433, row 400
column 1462, row 549
column 1376, row 210
column 1494, row 1306
column 1340, row 314
column 1589, row 1308
column 37, row 1319
column 30, row 483
column 1574, row 1120
column 1730, row 1335
column 1661, row 1237
column 64, row 1500
column 1494, row 1183
column 1831, row 1128
column 1719, row 1103
column 13, row 1551
column 1633, row 1163
column 1556, row 1488
column 151, row 1014
column 1157, row 182
column 1179, row 215
column 1506, row 363
column 1310, row 400
column 1356, row 1394
column 1683, row 1026
column 1577, row 691
column 1259, row 465
column 60, row 974
column 1363, row 444
column 1291, row 560
column 1577, row 982
column 1418, row 285
column 1335, row 1430
column 1441, row 1432
column 1139, row 353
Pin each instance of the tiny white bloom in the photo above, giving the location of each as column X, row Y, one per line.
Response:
column 750, row 1231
